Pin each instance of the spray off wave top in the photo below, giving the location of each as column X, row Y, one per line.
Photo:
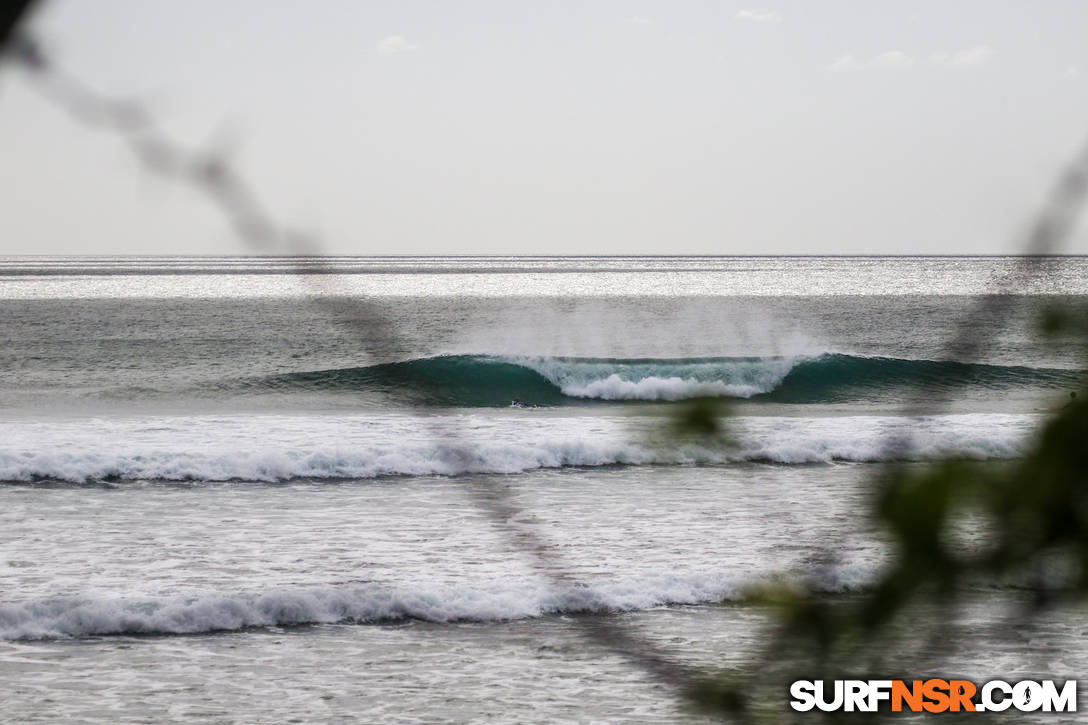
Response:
column 493, row 381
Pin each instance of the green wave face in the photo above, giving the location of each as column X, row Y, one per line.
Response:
column 454, row 380
column 836, row 378
column 490, row 381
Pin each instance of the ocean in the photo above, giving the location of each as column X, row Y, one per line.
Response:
column 244, row 489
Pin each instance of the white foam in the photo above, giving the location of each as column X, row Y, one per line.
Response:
column 654, row 388
column 94, row 616
column 651, row 380
column 279, row 448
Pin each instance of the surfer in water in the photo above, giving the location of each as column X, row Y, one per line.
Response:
column 517, row 403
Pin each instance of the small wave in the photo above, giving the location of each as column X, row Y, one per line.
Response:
column 493, row 381
column 366, row 603
column 374, row 603
column 136, row 453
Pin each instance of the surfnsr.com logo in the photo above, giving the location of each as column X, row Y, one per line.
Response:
column 933, row 695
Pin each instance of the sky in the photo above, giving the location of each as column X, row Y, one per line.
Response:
column 605, row 127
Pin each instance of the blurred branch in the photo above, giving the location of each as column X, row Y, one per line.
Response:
column 12, row 14
column 1037, row 509
column 913, row 508
column 1049, row 233
column 208, row 172
column 224, row 187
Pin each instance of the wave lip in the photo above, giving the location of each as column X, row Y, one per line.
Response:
column 493, row 381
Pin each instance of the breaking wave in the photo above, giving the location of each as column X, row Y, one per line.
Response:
column 269, row 451
column 367, row 603
column 492, row 381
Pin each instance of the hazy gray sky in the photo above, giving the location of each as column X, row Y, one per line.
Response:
column 562, row 127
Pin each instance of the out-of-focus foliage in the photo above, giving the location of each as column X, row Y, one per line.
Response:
column 1032, row 515
column 703, row 418
column 948, row 525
